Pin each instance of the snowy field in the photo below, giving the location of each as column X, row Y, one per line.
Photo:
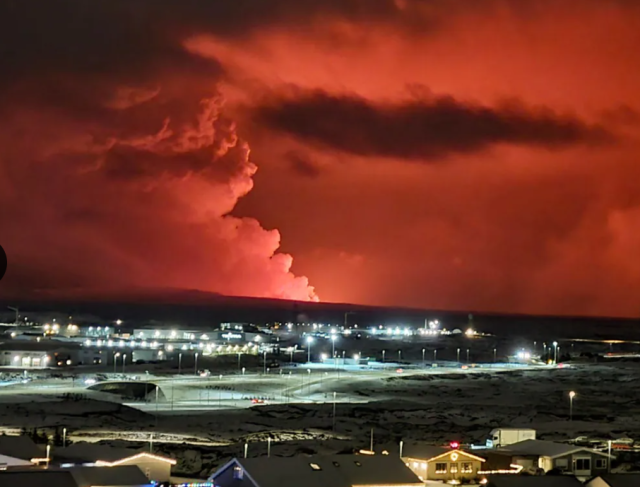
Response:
column 205, row 421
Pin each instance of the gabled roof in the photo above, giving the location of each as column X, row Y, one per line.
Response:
column 37, row 478
column 92, row 452
column 129, row 475
column 620, row 479
column 511, row 480
column 545, row 448
column 432, row 453
column 422, row 451
column 21, row 447
column 323, row 471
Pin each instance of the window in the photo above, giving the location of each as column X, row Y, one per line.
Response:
column 441, row 468
column 238, row 473
column 467, row 467
column 561, row 463
column 315, row 466
column 453, row 468
column 582, row 464
column 601, row 463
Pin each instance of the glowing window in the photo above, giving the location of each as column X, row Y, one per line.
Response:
column 238, row 473
column 453, row 468
column 441, row 468
column 467, row 467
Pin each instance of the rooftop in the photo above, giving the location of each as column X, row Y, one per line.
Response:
column 544, row 448
column 125, row 476
column 511, row 480
column 21, row 447
column 323, row 471
column 621, row 479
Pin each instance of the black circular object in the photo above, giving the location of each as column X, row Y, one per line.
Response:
column 3, row 262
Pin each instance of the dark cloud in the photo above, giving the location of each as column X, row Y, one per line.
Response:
column 302, row 165
column 426, row 129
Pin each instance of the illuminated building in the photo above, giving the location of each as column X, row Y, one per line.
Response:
column 445, row 464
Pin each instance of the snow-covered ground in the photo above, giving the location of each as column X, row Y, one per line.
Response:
column 210, row 419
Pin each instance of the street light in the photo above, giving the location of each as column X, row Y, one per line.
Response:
column 309, row 342
column 435, row 355
column 423, row 351
column 458, row 355
column 264, row 362
column 572, row 394
column 179, row 363
column 399, row 355
column 195, row 367
column 467, row 355
column 115, row 361
column 333, row 346
column 383, row 352
column 555, row 352
column 495, row 352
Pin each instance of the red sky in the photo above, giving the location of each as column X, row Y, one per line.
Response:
column 431, row 153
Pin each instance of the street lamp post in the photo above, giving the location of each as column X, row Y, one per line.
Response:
column 195, row 367
column 572, row 394
column 179, row 363
column 264, row 362
column 458, row 355
column 309, row 342
column 423, row 351
column 399, row 355
column 495, row 352
column 115, row 361
column 467, row 355
column 333, row 418
column 383, row 352
column 555, row 352
column 333, row 349
column 124, row 359
column 239, row 357
column 435, row 355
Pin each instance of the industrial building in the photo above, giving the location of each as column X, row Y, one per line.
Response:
column 41, row 353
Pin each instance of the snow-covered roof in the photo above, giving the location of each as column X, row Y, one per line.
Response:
column 91, row 452
column 545, row 448
column 620, row 479
column 511, row 480
column 126, row 476
column 422, row 451
column 21, row 447
column 323, row 471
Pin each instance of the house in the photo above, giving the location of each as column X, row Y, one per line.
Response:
column 19, row 451
column 532, row 481
column 548, row 455
column 155, row 467
column 127, row 476
column 615, row 480
column 316, row 471
column 438, row 463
